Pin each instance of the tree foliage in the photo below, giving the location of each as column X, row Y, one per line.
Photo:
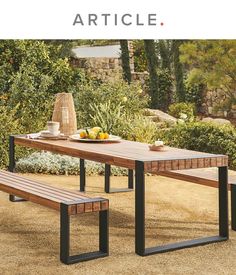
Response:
column 31, row 72
column 178, row 71
column 150, row 51
column 125, row 60
column 140, row 61
column 211, row 62
column 165, row 52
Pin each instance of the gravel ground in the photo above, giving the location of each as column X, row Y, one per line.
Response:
column 176, row 211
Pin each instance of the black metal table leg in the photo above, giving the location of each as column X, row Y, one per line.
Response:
column 11, row 167
column 130, row 179
column 139, row 208
column 233, row 206
column 108, row 188
column 12, row 164
column 65, row 256
column 223, row 202
column 82, row 174
column 140, row 216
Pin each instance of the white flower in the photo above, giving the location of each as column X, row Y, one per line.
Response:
column 181, row 121
column 183, row 116
column 125, row 99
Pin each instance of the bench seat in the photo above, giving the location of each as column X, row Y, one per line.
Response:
column 208, row 177
column 68, row 202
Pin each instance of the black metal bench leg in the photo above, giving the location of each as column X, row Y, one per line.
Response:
column 107, row 177
column 104, row 231
column 11, row 167
column 140, row 216
column 233, row 206
column 65, row 256
column 108, row 188
column 82, row 175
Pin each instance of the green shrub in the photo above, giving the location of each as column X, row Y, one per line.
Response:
column 130, row 97
column 182, row 110
column 141, row 129
column 107, row 116
column 194, row 93
column 205, row 137
column 8, row 125
column 31, row 73
column 48, row 163
column 165, row 87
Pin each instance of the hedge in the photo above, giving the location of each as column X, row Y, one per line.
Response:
column 204, row 137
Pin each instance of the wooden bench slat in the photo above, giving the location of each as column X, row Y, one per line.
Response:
column 48, row 195
column 40, row 189
column 208, row 176
column 64, row 191
column 32, row 191
column 31, row 197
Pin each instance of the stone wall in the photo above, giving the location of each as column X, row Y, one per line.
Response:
column 142, row 77
column 212, row 102
column 106, row 69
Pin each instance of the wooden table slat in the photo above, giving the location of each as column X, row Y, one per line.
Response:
column 125, row 153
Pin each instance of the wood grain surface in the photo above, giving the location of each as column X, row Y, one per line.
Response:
column 49, row 196
column 125, row 153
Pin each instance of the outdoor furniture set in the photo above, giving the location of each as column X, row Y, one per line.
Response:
column 134, row 156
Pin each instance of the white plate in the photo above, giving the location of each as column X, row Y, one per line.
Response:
column 110, row 139
column 47, row 134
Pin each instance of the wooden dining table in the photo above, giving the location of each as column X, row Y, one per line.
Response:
column 137, row 156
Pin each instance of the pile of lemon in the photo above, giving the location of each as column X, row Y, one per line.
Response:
column 93, row 133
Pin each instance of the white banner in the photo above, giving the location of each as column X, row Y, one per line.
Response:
column 109, row 19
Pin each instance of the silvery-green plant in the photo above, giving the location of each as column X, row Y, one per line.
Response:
column 48, row 163
column 107, row 116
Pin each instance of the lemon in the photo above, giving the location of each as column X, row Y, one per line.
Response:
column 83, row 134
column 92, row 135
column 100, row 135
column 106, row 136
column 96, row 129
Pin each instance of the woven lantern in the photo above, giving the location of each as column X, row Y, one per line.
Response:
column 64, row 113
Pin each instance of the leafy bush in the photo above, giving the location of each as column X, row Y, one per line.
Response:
column 48, row 163
column 194, row 93
column 205, row 137
column 182, row 110
column 8, row 124
column 112, row 120
column 165, row 87
column 140, row 61
column 130, row 97
column 31, row 73
column 141, row 129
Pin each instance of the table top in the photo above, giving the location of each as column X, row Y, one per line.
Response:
column 125, row 153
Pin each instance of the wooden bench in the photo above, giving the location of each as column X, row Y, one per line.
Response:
column 68, row 203
column 208, row 177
